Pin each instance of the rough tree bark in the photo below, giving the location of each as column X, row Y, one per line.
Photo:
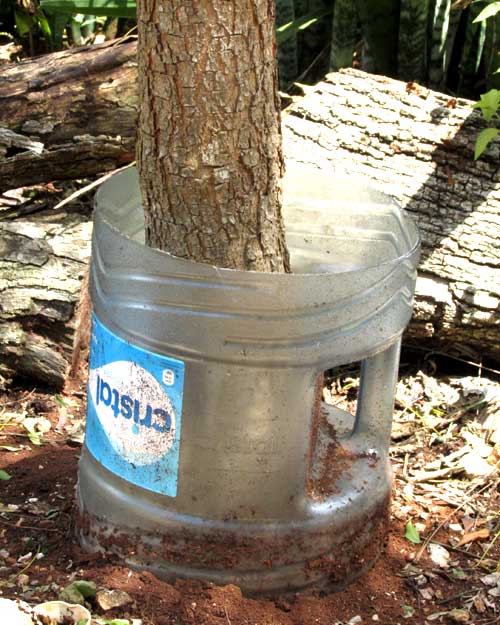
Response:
column 209, row 143
column 68, row 115
column 42, row 266
column 417, row 145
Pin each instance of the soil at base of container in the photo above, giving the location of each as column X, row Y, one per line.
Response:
column 42, row 485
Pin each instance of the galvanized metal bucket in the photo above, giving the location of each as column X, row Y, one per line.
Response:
column 207, row 452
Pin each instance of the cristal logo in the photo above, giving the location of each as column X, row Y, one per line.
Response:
column 134, row 411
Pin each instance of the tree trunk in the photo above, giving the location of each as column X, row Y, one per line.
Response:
column 68, row 115
column 209, row 147
column 42, row 266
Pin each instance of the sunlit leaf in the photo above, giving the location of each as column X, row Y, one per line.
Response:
column 290, row 29
column 488, row 103
column 109, row 8
column 485, row 136
column 458, row 573
column 489, row 11
column 411, row 533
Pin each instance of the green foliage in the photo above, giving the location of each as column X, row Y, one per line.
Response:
column 78, row 591
column 488, row 104
column 444, row 44
column 108, row 8
column 346, row 33
column 290, row 29
column 412, row 534
column 412, row 51
column 489, row 11
column 448, row 45
column 380, row 29
column 439, row 24
column 287, row 51
column 483, row 139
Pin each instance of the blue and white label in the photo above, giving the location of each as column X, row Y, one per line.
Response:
column 134, row 411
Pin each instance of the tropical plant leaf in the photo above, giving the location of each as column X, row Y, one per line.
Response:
column 109, row 8
column 58, row 23
column 471, row 53
column 490, row 53
column 284, row 32
column 489, row 11
column 87, row 589
column 484, row 138
column 23, row 22
column 380, row 27
column 287, row 50
column 411, row 533
column 346, row 33
column 412, row 50
column 440, row 24
column 454, row 22
column 44, row 25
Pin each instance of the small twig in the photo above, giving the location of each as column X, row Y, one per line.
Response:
column 467, row 498
column 426, row 476
column 464, row 593
column 493, row 621
column 125, row 36
column 467, row 362
column 459, row 412
column 458, row 550
column 309, row 68
column 29, row 527
column 489, row 547
column 18, row 401
column 23, row 570
column 405, row 464
column 90, row 186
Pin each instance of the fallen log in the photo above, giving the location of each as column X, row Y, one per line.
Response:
column 42, row 267
column 67, row 115
column 417, row 145
column 413, row 143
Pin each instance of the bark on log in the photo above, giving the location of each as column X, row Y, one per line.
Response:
column 68, row 115
column 415, row 144
column 42, row 266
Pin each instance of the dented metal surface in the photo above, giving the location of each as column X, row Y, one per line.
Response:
column 273, row 491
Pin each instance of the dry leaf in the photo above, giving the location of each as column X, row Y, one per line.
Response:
column 493, row 579
column 459, row 615
column 479, row 604
column 471, row 537
column 439, row 555
column 426, row 593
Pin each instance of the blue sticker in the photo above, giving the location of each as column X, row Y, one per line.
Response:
column 134, row 411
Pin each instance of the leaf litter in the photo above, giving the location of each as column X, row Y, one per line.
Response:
column 441, row 563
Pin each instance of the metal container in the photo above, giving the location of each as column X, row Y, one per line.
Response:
column 208, row 453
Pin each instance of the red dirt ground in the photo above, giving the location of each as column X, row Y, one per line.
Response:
column 43, row 485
